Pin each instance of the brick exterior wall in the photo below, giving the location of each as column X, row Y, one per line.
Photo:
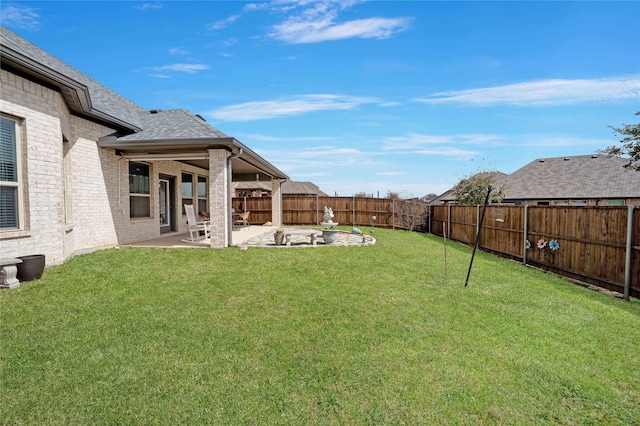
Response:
column 76, row 194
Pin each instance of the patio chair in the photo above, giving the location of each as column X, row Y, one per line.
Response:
column 196, row 227
column 241, row 219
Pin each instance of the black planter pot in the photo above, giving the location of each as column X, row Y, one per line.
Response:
column 31, row 267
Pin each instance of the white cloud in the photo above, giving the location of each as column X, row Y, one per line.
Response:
column 188, row 68
column 149, row 6
column 267, row 138
column 178, row 51
column 326, row 151
column 223, row 23
column 297, row 32
column 416, row 141
column 290, row 106
column 544, row 92
column 317, row 21
column 230, row 42
column 460, row 154
column 390, row 174
column 20, row 17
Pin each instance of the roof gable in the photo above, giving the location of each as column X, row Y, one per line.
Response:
column 82, row 93
column 172, row 124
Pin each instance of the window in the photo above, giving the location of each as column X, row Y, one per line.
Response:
column 579, row 202
column 10, row 182
column 187, row 190
column 542, row 203
column 139, row 194
column 203, row 205
column 615, row 202
column 561, row 203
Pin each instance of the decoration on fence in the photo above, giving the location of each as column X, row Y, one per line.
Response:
column 543, row 245
column 373, row 224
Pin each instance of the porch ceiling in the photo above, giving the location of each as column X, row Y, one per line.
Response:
column 195, row 151
column 243, row 168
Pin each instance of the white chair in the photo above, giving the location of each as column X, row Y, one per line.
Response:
column 196, row 227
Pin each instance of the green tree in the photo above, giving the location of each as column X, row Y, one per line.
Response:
column 630, row 145
column 473, row 189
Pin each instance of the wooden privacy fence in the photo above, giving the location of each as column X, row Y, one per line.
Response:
column 597, row 245
column 350, row 211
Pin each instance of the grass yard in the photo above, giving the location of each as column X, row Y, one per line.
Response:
column 327, row 335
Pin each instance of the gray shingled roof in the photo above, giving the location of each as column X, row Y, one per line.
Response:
column 251, row 185
column 301, row 188
column 562, row 178
column 172, row 124
column 583, row 176
column 101, row 98
column 135, row 127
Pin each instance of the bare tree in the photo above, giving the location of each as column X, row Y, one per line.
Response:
column 413, row 215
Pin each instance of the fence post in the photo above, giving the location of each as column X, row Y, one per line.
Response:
column 449, row 221
column 353, row 211
column 430, row 217
column 393, row 213
column 526, row 233
column 627, row 263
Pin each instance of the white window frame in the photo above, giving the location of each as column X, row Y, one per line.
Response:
column 20, row 180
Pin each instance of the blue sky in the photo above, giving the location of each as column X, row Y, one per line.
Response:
column 366, row 96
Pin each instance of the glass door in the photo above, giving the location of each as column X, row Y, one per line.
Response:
column 165, row 206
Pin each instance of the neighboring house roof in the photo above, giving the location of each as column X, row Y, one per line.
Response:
column 251, row 186
column 428, row 198
column 498, row 180
column 575, row 177
column 138, row 130
column 583, row 176
column 288, row 187
column 301, row 188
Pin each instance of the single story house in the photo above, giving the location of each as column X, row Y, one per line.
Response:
column 583, row 180
column 289, row 187
column 301, row 189
column 82, row 167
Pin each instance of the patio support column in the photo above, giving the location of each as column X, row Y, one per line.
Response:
column 276, row 202
column 219, row 208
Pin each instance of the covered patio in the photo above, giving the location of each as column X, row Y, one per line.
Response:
column 180, row 143
column 181, row 239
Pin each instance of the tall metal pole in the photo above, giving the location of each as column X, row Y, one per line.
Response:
column 444, row 236
column 475, row 247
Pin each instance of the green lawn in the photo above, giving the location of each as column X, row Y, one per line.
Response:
column 327, row 335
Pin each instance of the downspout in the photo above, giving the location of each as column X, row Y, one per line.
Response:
column 229, row 186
